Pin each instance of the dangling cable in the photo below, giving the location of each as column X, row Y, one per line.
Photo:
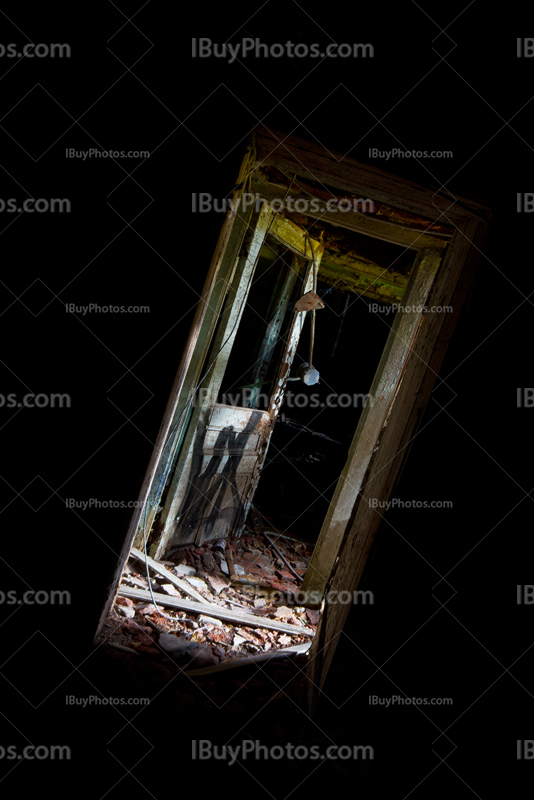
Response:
column 312, row 318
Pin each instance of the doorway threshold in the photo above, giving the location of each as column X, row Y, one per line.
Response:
column 221, row 605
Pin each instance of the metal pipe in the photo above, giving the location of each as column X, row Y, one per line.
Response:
column 286, row 562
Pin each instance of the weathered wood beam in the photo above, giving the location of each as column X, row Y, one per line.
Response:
column 214, row 305
column 350, row 264
column 165, row 573
column 275, row 319
column 372, row 226
column 292, row 235
column 388, row 378
column 308, row 160
column 220, row 349
column 350, row 274
column 284, row 652
column 202, row 324
column 450, row 288
column 361, row 285
column 247, row 620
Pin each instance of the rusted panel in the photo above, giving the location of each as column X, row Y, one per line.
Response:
column 309, row 302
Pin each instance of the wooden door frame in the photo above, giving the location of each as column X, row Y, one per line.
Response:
column 351, row 540
column 376, row 415
column 228, row 268
column 189, row 371
column 410, row 386
column 349, row 543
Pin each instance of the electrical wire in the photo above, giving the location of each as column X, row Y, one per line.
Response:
column 312, row 318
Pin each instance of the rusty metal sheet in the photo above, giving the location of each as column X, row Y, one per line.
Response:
column 309, row 302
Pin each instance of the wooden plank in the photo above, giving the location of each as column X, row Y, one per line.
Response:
column 361, row 278
column 180, row 584
column 346, row 264
column 220, row 349
column 306, row 159
column 384, row 388
column 425, row 359
column 247, row 620
column 293, row 235
column 198, row 364
column 272, row 334
column 170, row 414
column 373, row 226
column 284, row 652
column 458, row 301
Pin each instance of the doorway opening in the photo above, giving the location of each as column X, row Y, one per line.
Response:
column 264, row 451
column 254, row 486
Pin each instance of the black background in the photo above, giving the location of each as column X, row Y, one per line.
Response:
column 194, row 116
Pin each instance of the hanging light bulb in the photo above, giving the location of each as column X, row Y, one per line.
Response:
column 308, row 374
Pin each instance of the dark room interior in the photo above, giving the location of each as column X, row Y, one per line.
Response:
column 421, row 685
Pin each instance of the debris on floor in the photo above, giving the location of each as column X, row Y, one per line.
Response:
column 224, row 601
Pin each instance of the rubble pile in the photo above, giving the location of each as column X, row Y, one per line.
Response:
column 258, row 576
